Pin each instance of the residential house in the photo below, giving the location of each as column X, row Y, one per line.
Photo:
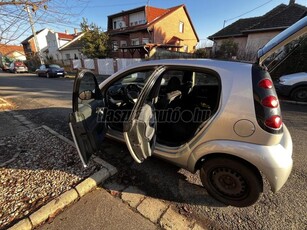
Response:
column 12, row 52
column 56, row 41
column 72, row 49
column 137, row 33
column 29, row 45
column 253, row 33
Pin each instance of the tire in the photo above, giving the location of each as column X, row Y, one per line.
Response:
column 232, row 182
column 299, row 94
column 47, row 75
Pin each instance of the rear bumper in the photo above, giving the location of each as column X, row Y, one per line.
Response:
column 57, row 74
column 276, row 162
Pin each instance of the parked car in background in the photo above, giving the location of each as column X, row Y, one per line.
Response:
column 50, row 70
column 219, row 117
column 293, row 86
column 18, row 67
column 5, row 67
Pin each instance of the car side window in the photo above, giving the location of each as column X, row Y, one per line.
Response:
column 42, row 67
column 205, row 79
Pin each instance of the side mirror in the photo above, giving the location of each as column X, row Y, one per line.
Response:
column 86, row 95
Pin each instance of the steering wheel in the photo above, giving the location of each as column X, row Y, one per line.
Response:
column 131, row 92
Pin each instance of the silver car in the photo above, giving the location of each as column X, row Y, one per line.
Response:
column 222, row 118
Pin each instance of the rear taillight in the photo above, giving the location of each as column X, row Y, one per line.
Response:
column 266, row 84
column 266, row 101
column 270, row 101
column 274, row 122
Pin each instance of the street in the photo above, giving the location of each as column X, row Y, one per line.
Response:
column 48, row 102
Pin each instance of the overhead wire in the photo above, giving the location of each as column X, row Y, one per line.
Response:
column 239, row 16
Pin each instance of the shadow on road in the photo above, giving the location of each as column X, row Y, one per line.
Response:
column 157, row 178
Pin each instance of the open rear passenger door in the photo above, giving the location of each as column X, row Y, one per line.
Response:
column 86, row 121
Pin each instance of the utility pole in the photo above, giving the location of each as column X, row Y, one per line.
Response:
column 34, row 35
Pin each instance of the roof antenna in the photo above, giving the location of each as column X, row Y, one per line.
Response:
column 147, row 3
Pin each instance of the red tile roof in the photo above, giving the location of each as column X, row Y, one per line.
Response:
column 152, row 13
column 65, row 36
column 8, row 49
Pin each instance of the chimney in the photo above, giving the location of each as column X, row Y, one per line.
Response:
column 291, row 2
column 76, row 31
column 66, row 31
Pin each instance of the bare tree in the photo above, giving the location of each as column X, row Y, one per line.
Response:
column 46, row 13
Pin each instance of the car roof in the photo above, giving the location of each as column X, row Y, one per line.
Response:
column 213, row 64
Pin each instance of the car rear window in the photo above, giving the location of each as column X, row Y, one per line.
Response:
column 54, row 66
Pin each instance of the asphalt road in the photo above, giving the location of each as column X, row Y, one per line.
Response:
column 48, row 101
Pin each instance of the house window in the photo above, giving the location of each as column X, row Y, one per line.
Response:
column 67, row 56
column 123, row 44
column 181, row 27
column 185, row 48
column 145, row 40
column 118, row 23
column 135, row 41
column 137, row 18
column 114, row 45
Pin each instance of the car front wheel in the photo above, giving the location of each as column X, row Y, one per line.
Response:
column 299, row 94
column 231, row 181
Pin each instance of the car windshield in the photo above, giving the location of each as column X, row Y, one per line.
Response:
column 54, row 66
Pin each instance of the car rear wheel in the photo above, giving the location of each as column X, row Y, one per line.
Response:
column 231, row 181
column 299, row 94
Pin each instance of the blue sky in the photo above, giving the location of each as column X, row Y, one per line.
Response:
column 208, row 16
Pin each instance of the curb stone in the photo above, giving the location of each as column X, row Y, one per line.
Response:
column 155, row 210
column 56, row 205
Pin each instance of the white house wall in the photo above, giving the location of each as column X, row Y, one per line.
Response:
column 53, row 45
column 41, row 39
column 70, row 54
column 257, row 40
column 19, row 56
column 62, row 42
